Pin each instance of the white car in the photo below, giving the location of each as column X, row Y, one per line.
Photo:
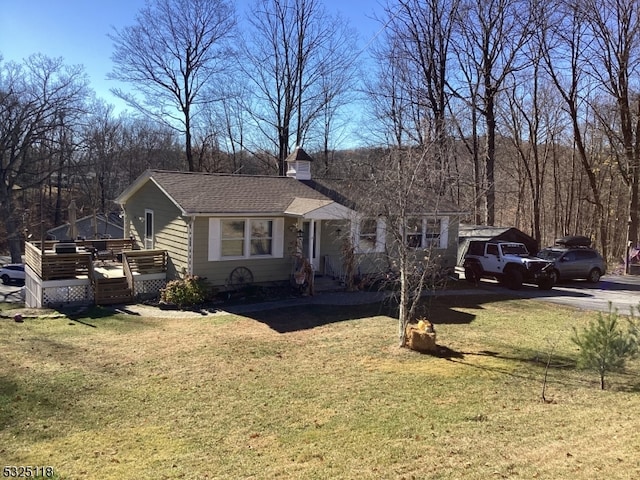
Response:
column 12, row 273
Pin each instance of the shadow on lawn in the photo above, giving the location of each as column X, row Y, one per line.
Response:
column 438, row 309
column 306, row 317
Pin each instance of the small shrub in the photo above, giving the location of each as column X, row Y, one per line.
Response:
column 605, row 346
column 186, row 292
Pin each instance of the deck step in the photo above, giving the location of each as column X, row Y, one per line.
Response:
column 109, row 291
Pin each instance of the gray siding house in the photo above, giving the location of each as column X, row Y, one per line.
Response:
column 213, row 225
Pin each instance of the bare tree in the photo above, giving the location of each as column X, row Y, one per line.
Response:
column 37, row 99
column 422, row 31
column 174, row 50
column 565, row 41
column 100, row 165
column 614, row 58
column 532, row 120
column 297, row 66
column 390, row 103
column 491, row 35
column 401, row 192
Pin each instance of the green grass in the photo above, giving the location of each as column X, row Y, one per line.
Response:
column 318, row 392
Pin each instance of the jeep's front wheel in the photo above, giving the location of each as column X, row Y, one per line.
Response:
column 513, row 279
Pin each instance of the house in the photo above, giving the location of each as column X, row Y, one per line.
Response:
column 243, row 228
column 90, row 227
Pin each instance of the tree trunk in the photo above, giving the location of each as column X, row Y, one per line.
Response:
column 403, row 314
column 490, row 160
column 283, row 151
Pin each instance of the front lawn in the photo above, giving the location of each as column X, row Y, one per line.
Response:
column 314, row 392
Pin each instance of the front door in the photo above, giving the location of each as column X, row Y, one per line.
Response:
column 311, row 242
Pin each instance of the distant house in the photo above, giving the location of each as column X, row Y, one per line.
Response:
column 90, row 227
column 214, row 225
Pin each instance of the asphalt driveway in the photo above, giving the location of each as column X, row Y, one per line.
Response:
column 622, row 291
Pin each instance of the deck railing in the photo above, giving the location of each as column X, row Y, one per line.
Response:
column 50, row 265
column 143, row 262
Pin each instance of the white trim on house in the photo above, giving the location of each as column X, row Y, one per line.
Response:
column 190, row 246
column 443, row 234
column 149, row 227
column 216, row 240
column 359, row 242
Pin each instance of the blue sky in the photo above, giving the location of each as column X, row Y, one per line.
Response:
column 77, row 30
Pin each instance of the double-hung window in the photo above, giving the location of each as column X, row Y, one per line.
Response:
column 432, row 233
column 261, row 237
column 245, row 238
column 232, row 238
column 369, row 235
column 427, row 232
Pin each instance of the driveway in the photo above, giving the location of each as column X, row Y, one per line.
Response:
column 623, row 291
column 11, row 293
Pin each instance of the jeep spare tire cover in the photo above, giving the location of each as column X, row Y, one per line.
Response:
column 574, row 241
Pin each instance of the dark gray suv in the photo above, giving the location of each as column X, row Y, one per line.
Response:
column 574, row 259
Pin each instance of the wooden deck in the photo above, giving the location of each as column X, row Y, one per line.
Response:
column 112, row 267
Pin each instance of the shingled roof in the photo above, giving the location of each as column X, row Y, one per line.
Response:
column 212, row 193
column 357, row 195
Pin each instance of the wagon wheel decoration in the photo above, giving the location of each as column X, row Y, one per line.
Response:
column 240, row 277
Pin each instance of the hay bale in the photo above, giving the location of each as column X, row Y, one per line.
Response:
column 421, row 337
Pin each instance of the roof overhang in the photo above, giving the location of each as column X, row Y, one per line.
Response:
column 145, row 177
column 314, row 209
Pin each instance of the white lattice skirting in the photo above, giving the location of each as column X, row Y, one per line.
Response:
column 72, row 294
column 78, row 291
column 148, row 288
column 39, row 294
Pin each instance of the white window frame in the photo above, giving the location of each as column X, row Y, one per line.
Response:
column 379, row 239
column 439, row 241
column 243, row 239
column 149, row 229
column 215, row 238
column 251, row 238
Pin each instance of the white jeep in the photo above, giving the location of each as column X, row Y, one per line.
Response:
column 508, row 262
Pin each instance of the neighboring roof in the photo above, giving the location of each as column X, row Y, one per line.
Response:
column 226, row 194
column 107, row 227
column 480, row 232
column 515, row 235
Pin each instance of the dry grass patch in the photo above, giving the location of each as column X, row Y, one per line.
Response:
column 316, row 392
